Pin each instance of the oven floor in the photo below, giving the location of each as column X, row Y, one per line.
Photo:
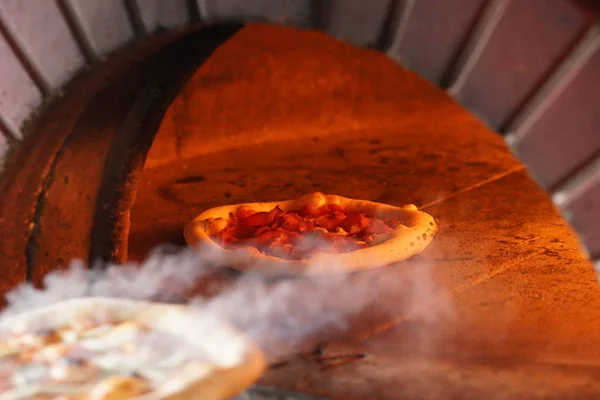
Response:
column 502, row 305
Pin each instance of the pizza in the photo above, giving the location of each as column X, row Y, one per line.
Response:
column 314, row 234
column 112, row 349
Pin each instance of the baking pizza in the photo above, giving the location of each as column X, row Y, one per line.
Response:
column 112, row 349
column 314, row 234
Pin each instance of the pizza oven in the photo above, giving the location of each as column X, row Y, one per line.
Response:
column 120, row 121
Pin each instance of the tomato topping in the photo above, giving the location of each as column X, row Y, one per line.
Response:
column 293, row 222
column 378, row 226
column 329, row 222
column 299, row 234
column 354, row 222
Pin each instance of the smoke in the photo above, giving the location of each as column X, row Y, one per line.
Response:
column 277, row 314
column 280, row 315
column 165, row 277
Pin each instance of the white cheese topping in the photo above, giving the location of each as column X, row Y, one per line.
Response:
column 162, row 348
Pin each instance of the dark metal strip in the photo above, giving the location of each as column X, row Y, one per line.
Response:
column 134, row 14
column 554, row 86
column 196, row 10
column 590, row 170
column 469, row 55
column 78, row 32
column 29, row 65
column 10, row 130
column 394, row 25
column 320, row 11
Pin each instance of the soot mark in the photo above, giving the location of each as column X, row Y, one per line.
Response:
column 476, row 163
column 216, row 79
column 239, row 183
column 324, row 362
column 340, row 152
column 191, row 179
column 279, row 364
column 338, row 361
column 375, row 141
column 166, row 194
column 550, row 253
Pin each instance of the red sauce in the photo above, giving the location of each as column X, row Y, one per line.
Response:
column 300, row 233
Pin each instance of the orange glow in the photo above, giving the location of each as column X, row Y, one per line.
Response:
column 277, row 113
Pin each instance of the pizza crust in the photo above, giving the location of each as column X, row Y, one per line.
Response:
column 218, row 380
column 416, row 231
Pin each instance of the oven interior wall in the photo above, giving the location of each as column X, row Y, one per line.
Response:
column 528, row 69
column 501, row 305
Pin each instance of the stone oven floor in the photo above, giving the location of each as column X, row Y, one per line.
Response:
column 508, row 307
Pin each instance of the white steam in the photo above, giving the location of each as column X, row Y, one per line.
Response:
column 271, row 312
column 164, row 277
